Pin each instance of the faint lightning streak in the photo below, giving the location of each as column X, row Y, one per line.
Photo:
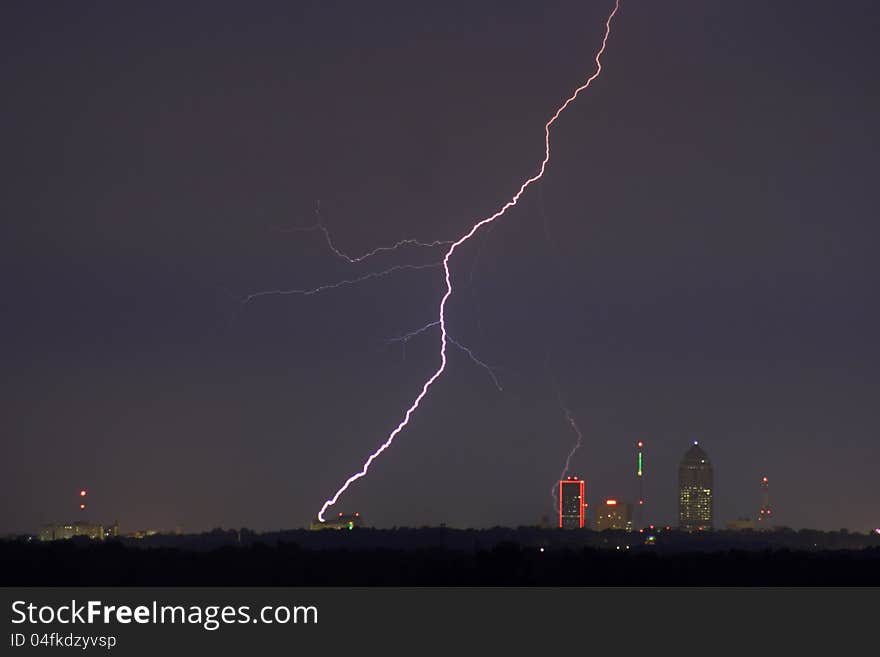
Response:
column 477, row 361
column 406, row 337
column 355, row 259
column 338, row 284
column 571, row 421
column 448, row 277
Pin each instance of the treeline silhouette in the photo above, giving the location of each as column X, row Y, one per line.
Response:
column 444, row 557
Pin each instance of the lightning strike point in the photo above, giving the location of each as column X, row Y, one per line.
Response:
column 444, row 339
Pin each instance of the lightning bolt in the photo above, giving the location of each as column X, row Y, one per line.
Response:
column 574, row 427
column 406, row 337
column 343, row 283
column 477, row 361
column 444, row 338
column 319, row 226
column 569, row 417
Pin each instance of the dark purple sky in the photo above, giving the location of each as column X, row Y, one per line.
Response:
column 698, row 262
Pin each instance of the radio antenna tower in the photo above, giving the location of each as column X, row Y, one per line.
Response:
column 640, row 478
column 766, row 513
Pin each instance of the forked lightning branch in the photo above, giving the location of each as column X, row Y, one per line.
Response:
column 451, row 247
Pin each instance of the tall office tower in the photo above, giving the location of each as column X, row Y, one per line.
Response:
column 571, row 503
column 695, row 490
column 766, row 513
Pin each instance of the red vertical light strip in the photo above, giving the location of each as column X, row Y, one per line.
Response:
column 560, row 504
column 582, row 503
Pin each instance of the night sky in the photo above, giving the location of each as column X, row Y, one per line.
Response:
column 699, row 261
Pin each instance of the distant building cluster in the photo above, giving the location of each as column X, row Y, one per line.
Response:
column 62, row 531
column 695, row 507
column 695, row 500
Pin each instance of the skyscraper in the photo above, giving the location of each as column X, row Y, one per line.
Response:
column 571, row 503
column 695, row 490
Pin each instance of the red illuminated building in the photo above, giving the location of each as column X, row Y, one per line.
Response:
column 571, row 503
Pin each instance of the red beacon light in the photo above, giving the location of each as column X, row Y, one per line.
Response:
column 82, row 507
column 82, row 492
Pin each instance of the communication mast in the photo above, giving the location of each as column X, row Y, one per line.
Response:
column 639, row 477
column 766, row 513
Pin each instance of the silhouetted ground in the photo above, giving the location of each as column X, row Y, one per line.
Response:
column 443, row 557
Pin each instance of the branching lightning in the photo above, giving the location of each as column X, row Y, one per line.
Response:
column 406, row 337
column 444, row 338
column 569, row 418
column 319, row 226
column 343, row 283
column 580, row 439
column 477, row 361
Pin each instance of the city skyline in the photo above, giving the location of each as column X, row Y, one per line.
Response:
column 696, row 264
column 577, row 509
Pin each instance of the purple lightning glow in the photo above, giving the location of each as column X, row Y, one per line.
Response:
column 406, row 337
column 338, row 284
column 580, row 438
column 319, row 225
column 454, row 245
column 477, row 361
